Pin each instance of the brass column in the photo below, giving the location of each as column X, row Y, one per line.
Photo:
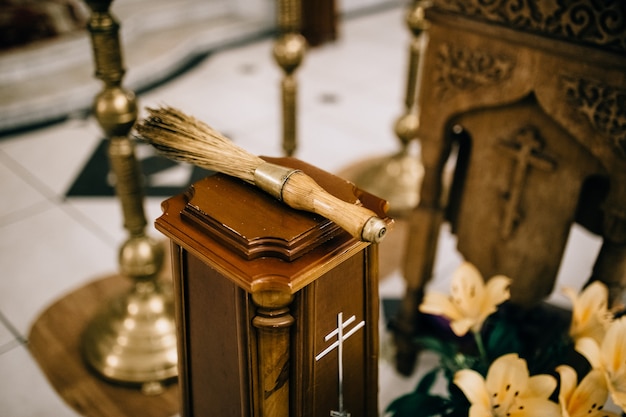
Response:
column 289, row 50
column 397, row 178
column 132, row 339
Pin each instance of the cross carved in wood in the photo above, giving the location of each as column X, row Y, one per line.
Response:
column 526, row 149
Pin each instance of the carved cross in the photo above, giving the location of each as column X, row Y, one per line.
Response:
column 341, row 336
column 525, row 149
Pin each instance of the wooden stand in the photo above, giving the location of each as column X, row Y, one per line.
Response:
column 277, row 309
column 530, row 106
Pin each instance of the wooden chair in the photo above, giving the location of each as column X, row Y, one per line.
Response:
column 533, row 103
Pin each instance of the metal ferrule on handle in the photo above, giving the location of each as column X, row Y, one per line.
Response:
column 271, row 178
column 374, row 230
column 301, row 192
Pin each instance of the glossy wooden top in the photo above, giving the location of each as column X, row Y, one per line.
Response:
column 257, row 241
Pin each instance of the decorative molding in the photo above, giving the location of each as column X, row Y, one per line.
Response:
column 602, row 105
column 469, row 69
column 598, row 23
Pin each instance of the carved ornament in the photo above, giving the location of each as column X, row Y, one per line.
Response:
column 602, row 105
column 467, row 69
column 598, row 23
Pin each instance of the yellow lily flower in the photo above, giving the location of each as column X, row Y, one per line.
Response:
column 508, row 390
column 471, row 300
column 590, row 313
column 586, row 399
column 610, row 358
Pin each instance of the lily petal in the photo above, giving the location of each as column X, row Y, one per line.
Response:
column 439, row 304
column 590, row 350
column 496, row 292
column 534, row 407
column 470, row 301
column 506, row 390
column 613, row 348
column 506, row 369
column 590, row 314
column 613, row 353
column 594, row 297
column 473, row 386
column 507, row 378
column 568, row 379
column 478, row 410
column 589, row 395
column 497, row 289
column 467, row 289
column 540, row 386
column 462, row 326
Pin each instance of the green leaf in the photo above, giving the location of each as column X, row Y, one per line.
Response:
column 445, row 348
column 501, row 338
column 427, row 381
column 417, row 404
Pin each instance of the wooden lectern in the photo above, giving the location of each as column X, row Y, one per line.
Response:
column 277, row 309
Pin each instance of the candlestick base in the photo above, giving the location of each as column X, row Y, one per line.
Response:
column 132, row 339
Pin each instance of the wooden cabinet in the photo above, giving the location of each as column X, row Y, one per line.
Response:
column 261, row 291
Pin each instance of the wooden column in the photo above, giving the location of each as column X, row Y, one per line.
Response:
column 273, row 322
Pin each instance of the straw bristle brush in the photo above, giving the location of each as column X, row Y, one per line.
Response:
column 183, row 138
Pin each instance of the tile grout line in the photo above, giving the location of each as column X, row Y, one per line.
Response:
column 19, row 338
column 51, row 197
column 7, row 347
column 22, row 214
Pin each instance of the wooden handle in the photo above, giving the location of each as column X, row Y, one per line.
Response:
column 302, row 192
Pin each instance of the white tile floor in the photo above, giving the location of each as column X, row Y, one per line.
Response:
column 50, row 245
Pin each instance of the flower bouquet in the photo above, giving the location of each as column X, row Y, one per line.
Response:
column 495, row 360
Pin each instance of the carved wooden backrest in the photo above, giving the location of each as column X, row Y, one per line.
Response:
column 519, row 194
column 535, row 96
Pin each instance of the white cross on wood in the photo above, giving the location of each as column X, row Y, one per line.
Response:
column 341, row 325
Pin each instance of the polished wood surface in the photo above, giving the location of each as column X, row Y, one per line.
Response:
column 54, row 343
column 252, row 320
column 252, row 207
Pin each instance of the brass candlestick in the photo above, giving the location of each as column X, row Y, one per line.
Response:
column 397, row 178
column 132, row 340
column 289, row 50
